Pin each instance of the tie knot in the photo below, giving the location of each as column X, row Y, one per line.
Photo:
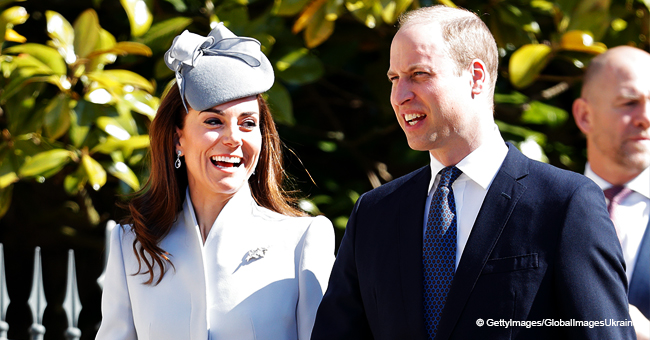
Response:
column 617, row 193
column 448, row 175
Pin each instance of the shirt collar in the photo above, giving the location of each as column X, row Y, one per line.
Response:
column 481, row 165
column 640, row 184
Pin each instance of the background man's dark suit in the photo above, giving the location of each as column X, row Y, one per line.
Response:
column 542, row 247
column 639, row 293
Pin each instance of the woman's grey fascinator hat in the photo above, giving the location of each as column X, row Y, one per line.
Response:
column 218, row 68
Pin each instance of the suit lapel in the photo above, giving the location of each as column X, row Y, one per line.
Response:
column 502, row 197
column 639, row 294
column 412, row 199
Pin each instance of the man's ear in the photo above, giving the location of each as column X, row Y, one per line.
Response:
column 582, row 115
column 480, row 77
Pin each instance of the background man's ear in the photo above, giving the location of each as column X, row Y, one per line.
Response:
column 479, row 76
column 582, row 115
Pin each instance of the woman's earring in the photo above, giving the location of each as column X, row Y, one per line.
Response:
column 177, row 164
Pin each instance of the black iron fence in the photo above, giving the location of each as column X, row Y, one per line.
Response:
column 37, row 301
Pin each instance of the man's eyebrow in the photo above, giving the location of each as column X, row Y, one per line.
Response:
column 626, row 93
column 411, row 68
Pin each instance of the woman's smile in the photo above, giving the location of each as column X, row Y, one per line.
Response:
column 226, row 162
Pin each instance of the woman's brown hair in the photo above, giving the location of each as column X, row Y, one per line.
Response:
column 154, row 208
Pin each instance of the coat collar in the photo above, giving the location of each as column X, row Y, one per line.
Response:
column 239, row 207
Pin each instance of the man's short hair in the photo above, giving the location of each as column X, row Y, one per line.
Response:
column 465, row 34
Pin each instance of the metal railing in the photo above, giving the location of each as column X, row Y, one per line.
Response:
column 37, row 302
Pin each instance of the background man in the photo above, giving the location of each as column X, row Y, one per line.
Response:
column 483, row 233
column 613, row 112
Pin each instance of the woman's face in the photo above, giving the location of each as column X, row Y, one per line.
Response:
column 221, row 146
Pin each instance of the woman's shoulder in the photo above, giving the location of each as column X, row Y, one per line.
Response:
column 274, row 215
column 294, row 221
column 123, row 233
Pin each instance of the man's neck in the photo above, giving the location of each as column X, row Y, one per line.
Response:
column 455, row 152
column 614, row 174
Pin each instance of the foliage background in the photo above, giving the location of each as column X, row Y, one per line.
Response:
column 74, row 117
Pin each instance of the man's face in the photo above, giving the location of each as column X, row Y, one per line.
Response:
column 618, row 130
column 429, row 98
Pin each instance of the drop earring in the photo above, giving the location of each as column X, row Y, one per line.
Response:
column 177, row 164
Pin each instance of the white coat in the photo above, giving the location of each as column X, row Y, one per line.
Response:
column 259, row 275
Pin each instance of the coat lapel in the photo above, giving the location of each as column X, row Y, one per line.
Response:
column 184, row 242
column 502, row 197
column 412, row 200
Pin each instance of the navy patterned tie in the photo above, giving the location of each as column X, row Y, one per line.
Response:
column 439, row 251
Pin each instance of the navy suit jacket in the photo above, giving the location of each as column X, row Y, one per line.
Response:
column 639, row 293
column 542, row 247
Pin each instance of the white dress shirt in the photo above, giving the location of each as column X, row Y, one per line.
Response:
column 632, row 215
column 479, row 169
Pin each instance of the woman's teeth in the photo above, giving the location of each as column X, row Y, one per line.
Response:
column 225, row 161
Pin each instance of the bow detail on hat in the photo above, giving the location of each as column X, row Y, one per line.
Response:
column 188, row 47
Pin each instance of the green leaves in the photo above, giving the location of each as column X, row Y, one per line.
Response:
column 8, row 18
column 14, row 15
column 527, row 62
column 592, row 16
column 139, row 15
column 112, row 144
column 5, row 200
column 124, row 173
column 539, row 113
column 45, row 162
column 124, row 48
column 160, row 36
column 299, row 67
column 62, row 35
column 581, row 41
column 8, row 174
column 86, row 33
column 391, row 10
column 57, row 116
column 123, row 77
column 319, row 27
column 95, row 172
column 289, row 7
column 48, row 56
column 51, row 128
column 75, row 181
column 280, row 104
column 112, row 127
